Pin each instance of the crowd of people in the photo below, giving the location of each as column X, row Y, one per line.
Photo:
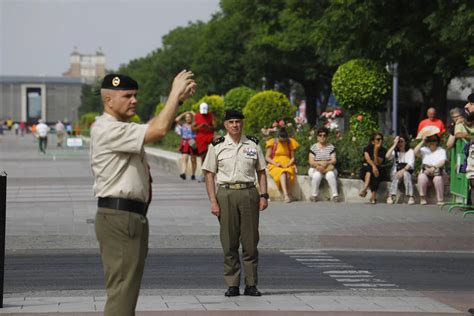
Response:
column 322, row 160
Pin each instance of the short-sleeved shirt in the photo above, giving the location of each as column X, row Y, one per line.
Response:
column 464, row 128
column 407, row 157
column 370, row 150
column 42, row 130
column 435, row 122
column 186, row 132
column 118, row 159
column 432, row 158
column 322, row 154
column 234, row 163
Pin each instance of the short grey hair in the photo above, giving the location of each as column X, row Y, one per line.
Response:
column 455, row 111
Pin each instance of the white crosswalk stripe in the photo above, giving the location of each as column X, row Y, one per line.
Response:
column 83, row 193
column 341, row 272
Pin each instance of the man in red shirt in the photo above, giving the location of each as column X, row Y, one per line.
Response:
column 204, row 126
column 431, row 121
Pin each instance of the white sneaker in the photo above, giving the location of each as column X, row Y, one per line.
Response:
column 389, row 200
column 423, row 201
column 411, row 200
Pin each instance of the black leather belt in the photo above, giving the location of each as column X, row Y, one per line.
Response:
column 238, row 186
column 123, row 205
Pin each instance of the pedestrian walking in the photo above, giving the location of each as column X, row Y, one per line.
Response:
column 187, row 145
column 232, row 161
column 59, row 127
column 42, row 133
column 123, row 184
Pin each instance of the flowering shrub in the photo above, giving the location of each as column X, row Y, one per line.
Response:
column 362, row 124
column 332, row 113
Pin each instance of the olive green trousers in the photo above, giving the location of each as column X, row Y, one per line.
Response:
column 123, row 240
column 239, row 216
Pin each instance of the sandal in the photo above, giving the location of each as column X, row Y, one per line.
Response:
column 287, row 199
column 363, row 193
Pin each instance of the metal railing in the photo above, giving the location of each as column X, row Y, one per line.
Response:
column 3, row 213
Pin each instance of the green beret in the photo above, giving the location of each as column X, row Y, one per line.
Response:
column 119, row 82
column 233, row 114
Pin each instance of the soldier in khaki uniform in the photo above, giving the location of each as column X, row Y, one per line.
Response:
column 123, row 184
column 234, row 160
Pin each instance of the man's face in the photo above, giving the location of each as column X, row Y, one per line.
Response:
column 233, row 126
column 431, row 113
column 469, row 107
column 122, row 103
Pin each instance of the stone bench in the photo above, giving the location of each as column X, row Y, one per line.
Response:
column 348, row 188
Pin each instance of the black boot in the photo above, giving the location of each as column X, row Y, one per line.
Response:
column 232, row 291
column 252, row 291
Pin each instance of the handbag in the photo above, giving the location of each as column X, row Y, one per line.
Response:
column 192, row 143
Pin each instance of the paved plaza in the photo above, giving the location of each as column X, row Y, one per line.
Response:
column 50, row 206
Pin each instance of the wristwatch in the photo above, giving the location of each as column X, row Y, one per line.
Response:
column 265, row 195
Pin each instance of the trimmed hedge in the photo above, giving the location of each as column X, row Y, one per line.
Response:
column 264, row 108
column 237, row 98
column 361, row 85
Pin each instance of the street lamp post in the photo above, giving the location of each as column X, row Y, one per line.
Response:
column 394, row 70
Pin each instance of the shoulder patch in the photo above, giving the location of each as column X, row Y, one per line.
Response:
column 218, row 141
column 254, row 139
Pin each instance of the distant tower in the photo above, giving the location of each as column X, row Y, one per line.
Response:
column 89, row 67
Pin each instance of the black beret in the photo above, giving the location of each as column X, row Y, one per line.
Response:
column 119, row 82
column 470, row 97
column 233, row 114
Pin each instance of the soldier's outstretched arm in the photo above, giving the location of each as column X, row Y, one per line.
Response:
column 183, row 86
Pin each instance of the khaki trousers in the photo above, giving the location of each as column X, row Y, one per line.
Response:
column 123, row 240
column 239, row 216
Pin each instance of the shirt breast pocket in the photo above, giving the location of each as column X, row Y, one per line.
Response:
column 226, row 162
column 248, row 165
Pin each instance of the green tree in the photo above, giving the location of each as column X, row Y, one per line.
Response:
column 430, row 40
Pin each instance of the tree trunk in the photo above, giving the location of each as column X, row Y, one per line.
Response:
column 439, row 97
column 311, row 93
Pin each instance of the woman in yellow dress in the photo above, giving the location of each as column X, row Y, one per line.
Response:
column 281, row 160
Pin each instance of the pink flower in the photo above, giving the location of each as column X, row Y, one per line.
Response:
column 338, row 112
column 281, row 123
column 275, row 124
column 360, row 117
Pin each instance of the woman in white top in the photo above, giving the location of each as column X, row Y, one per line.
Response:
column 433, row 158
column 322, row 160
column 403, row 163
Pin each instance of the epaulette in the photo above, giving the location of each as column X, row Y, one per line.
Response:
column 254, row 139
column 218, row 141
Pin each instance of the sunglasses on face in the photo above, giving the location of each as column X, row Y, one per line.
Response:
column 378, row 139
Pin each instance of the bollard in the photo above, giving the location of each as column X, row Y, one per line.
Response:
column 3, row 213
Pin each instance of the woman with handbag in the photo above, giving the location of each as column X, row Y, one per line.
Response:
column 280, row 156
column 322, row 160
column 371, row 172
column 433, row 160
column 187, row 146
column 403, row 163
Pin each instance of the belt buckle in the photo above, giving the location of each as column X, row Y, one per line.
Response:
column 238, row 186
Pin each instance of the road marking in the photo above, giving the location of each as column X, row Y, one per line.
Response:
column 343, row 273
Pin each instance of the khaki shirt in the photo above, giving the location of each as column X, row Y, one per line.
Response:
column 234, row 163
column 118, row 159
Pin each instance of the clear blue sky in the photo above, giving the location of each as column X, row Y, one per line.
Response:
column 37, row 36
